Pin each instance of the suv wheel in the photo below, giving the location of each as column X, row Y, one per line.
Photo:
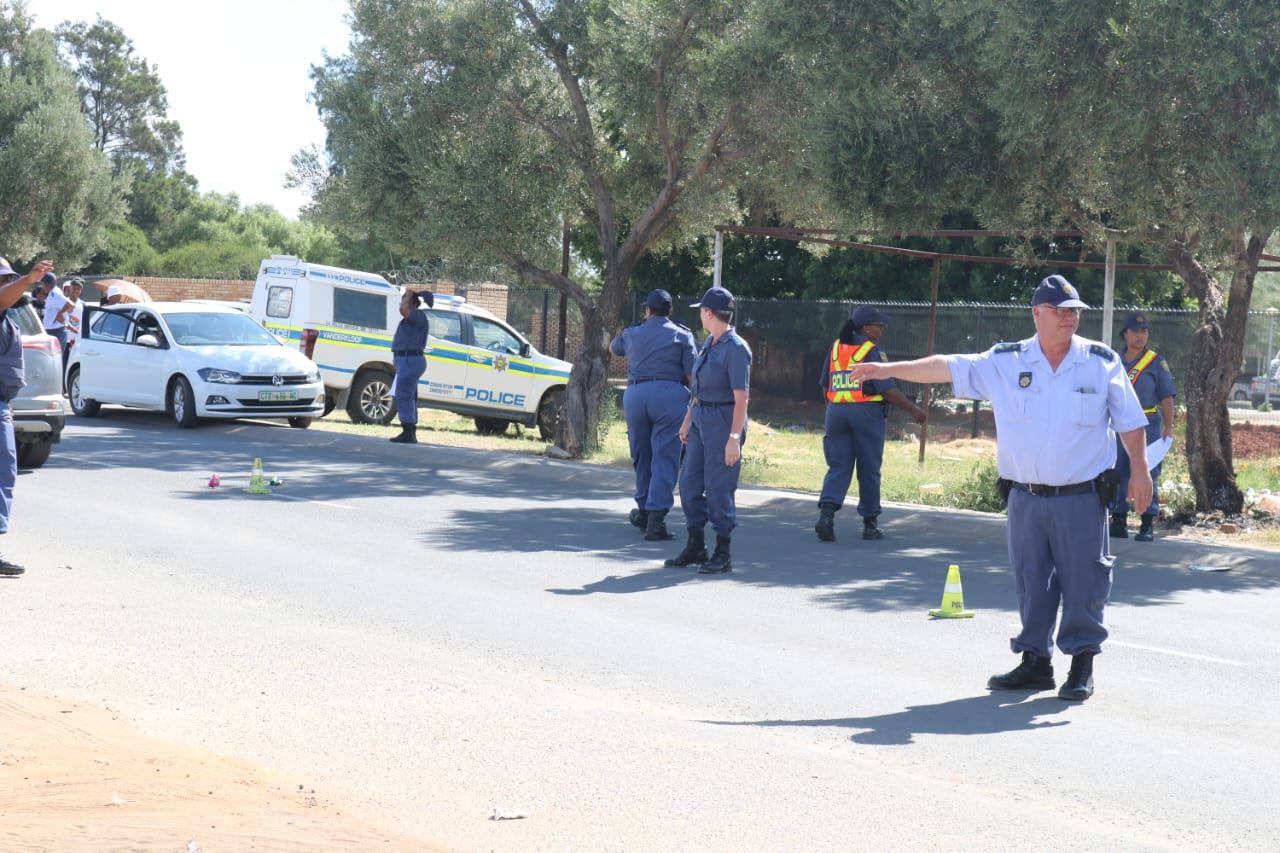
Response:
column 33, row 454
column 370, row 401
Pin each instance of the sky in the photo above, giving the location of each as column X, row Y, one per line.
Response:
column 237, row 73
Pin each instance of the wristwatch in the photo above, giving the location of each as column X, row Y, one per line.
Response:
column 735, row 435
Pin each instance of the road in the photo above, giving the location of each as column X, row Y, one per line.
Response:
column 436, row 633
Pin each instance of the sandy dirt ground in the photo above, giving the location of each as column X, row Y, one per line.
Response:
column 74, row 777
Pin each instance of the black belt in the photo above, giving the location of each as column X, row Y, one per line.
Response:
column 712, row 403
column 406, row 352
column 650, row 379
column 1042, row 491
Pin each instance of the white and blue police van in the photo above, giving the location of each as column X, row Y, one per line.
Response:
column 344, row 321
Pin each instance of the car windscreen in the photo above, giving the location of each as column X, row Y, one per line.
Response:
column 200, row 328
column 24, row 315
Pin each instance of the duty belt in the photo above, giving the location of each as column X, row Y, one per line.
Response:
column 406, row 352
column 650, row 379
column 712, row 403
column 1042, row 491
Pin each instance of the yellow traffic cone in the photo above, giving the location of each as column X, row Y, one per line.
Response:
column 257, row 482
column 952, row 606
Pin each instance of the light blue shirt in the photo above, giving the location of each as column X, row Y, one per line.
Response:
column 1053, row 427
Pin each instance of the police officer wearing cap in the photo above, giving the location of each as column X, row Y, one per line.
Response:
column 1153, row 382
column 660, row 354
column 1059, row 401
column 408, row 353
column 713, row 431
column 855, row 422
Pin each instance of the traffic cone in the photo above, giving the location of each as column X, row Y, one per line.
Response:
column 952, row 606
column 257, row 482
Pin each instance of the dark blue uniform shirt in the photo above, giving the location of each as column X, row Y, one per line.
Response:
column 411, row 333
column 657, row 348
column 722, row 368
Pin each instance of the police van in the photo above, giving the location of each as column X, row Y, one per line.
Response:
column 344, row 320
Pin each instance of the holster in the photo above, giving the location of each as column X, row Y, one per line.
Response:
column 1003, row 487
column 1107, row 487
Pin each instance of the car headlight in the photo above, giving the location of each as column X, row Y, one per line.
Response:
column 313, row 376
column 217, row 374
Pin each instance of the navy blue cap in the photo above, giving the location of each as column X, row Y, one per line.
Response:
column 428, row 297
column 659, row 300
column 1134, row 320
column 717, row 299
column 864, row 314
column 49, row 279
column 1058, row 292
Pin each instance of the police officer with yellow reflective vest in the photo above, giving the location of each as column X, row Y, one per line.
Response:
column 855, row 422
column 1153, row 382
column 713, row 431
column 408, row 354
column 660, row 354
column 1059, row 401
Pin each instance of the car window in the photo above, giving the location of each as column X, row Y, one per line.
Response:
column 197, row 328
column 25, row 317
column 279, row 301
column 147, row 325
column 110, row 326
column 446, row 325
column 491, row 336
column 351, row 308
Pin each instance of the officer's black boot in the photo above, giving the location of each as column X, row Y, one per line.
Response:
column 656, row 526
column 1145, row 532
column 1079, row 684
column 871, row 530
column 640, row 518
column 408, row 434
column 1119, row 525
column 1034, row 673
column 719, row 562
column 825, row 526
column 694, row 553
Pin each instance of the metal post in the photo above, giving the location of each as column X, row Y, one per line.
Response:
column 1109, row 292
column 719, row 258
column 1271, row 328
column 933, row 325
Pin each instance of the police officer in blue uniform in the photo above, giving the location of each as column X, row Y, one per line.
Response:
column 713, row 432
column 12, row 378
column 408, row 353
column 855, row 423
column 1153, row 382
column 660, row 354
column 1059, row 401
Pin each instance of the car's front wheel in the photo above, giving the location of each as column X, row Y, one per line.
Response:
column 300, row 423
column 182, row 403
column 492, row 426
column 549, row 414
column 33, row 454
column 80, row 404
column 370, row 401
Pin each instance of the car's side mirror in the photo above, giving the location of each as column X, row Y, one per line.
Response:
column 525, row 349
column 148, row 340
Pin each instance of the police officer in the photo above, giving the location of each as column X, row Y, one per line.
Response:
column 1058, row 401
column 713, row 432
column 660, row 355
column 408, row 349
column 12, row 378
column 1153, row 382
column 855, row 423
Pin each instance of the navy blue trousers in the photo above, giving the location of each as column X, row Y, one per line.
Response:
column 654, row 411
column 409, row 369
column 707, row 485
column 854, row 440
column 1124, row 469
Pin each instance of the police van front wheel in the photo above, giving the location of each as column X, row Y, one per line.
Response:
column 549, row 412
column 371, row 401
column 492, row 426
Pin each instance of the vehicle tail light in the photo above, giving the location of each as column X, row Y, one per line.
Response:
column 48, row 344
column 308, row 341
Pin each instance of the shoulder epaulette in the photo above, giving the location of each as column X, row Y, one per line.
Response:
column 1103, row 352
column 1004, row 348
column 681, row 325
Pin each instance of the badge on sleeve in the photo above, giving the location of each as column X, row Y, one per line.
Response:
column 1024, row 379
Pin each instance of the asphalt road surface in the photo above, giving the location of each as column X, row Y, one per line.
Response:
column 438, row 633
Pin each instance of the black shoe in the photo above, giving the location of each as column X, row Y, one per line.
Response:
column 1079, row 684
column 1119, row 525
column 640, row 518
column 655, row 529
column 871, row 530
column 719, row 562
column 408, row 434
column 10, row 569
column 825, row 526
column 694, row 553
column 1146, row 532
column 1034, row 673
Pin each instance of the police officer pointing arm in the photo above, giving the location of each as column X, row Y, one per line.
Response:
column 1058, row 400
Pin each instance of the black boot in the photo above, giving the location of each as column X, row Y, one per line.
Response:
column 408, row 434
column 825, row 526
column 1119, row 525
column 1145, row 532
column 871, row 530
column 694, row 553
column 1079, row 684
column 655, row 527
column 719, row 562
column 640, row 517
column 1034, row 673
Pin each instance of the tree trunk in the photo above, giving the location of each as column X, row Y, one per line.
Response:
column 589, row 379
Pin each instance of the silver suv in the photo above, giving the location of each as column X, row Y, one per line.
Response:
column 39, row 410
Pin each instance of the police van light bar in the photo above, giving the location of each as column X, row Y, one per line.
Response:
column 441, row 299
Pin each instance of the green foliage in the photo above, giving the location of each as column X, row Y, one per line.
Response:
column 126, row 252
column 975, row 490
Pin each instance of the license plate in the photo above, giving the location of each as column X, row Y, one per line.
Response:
column 276, row 396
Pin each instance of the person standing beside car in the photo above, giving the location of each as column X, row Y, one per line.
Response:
column 56, row 309
column 660, row 354
column 12, row 378
column 72, row 290
column 408, row 351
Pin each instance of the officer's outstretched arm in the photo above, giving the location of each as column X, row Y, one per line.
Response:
column 932, row 369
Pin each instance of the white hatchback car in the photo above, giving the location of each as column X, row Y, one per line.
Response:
column 191, row 360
